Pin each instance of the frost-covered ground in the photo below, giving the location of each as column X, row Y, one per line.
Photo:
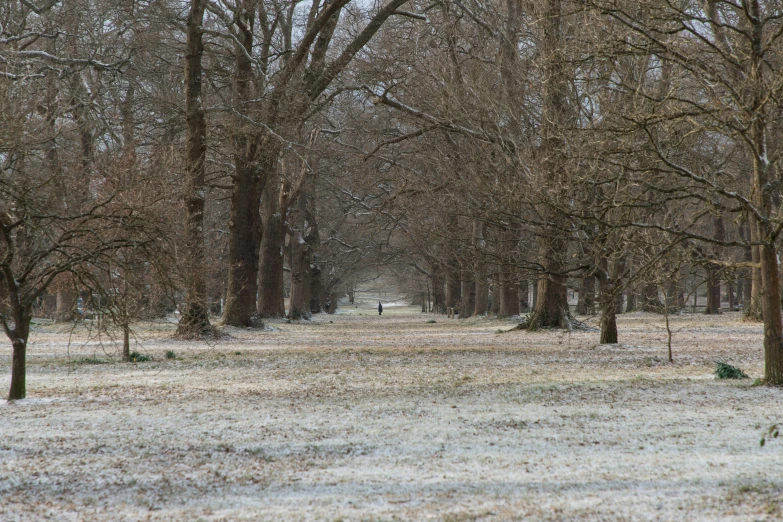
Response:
column 356, row 417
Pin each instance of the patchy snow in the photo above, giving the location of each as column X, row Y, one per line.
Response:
column 365, row 418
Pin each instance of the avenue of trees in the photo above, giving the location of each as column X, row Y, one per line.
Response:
column 238, row 160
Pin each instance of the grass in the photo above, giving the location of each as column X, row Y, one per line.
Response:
column 92, row 360
column 170, row 354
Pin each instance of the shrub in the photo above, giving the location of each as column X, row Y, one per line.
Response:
column 727, row 371
column 171, row 355
column 92, row 360
column 136, row 357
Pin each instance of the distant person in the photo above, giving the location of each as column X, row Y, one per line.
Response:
column 380, row 308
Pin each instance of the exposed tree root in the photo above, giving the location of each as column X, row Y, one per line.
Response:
column 567, row 322
column 200, row 332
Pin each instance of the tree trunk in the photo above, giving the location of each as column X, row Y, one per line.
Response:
column 764, row 200
column 66, row 305
column 745, row 286
column 19, row 336
column 494, row 299
column 608, row 302
column 468, row 304
column 523, row 293
column 552, row 302
column 438, row 296
column 243, row 248
column 195, row 319
column 453, row 291
column 652, row 301
column 630, row 301
column 482, row 286
column 509, row 298
column 300, row 265
column 316, row 291
column 713, row 271
column 250, row 174
column 675, row 299
column 773, row 316
column 754, row 310
column 271, row 291
column 586, row 303
column 713, row 291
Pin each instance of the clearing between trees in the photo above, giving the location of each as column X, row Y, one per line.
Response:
column 359, row 417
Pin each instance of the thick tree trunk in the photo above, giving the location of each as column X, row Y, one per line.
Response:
column 764, row 201
column 523, row 294
column 713, row 271
column 468, row 304
column 754, row 310
column 316, row 291
column 494, row 298
column 453, row 290
column 552, row 303
column 250, row 174
column 482, row 296
column 195, row 319
column 243, row 248
column 745, row 286
column 773, row 315
column 66, row 305
column 675, row 299
column 509, row 298
column 630, row 301
column 300, row 264
column 713, row 291
column 482, row 286
column 586, row 303
column 271, row 291
column 438, row 294
column 652, row 300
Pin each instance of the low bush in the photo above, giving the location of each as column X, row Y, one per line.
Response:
column 727, row 371
column 136, row 357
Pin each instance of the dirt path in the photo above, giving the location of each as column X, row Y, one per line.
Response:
column 395, row 418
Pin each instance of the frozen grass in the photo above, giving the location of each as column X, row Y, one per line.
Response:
column 394, row 418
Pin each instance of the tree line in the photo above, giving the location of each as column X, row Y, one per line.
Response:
column 218, row 156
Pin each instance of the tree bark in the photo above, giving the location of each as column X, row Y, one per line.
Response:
column 494, row 299
column 66, row 305
column 630, row 301
column 552, row 303
column 482, row 286
column 19, row 335
column 468, row 304
column 608, row 302
column 586, row 303
column 651, row 299
column 250, row 173
column 453, row 291
column 523, row 293
column 509, row 298
column 271, row 292
column 764, row 200
column 194, row 320
column 713, row 271
column 300, row 265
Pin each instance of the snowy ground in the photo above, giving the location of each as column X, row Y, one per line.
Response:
column 356, row 417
